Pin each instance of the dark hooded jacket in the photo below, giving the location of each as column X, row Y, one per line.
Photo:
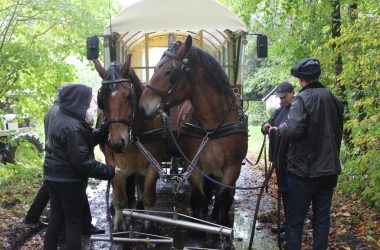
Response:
column 314, row 128
column 69, row 142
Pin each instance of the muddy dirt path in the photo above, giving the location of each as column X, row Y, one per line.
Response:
column 243, row 209
column 244, row 205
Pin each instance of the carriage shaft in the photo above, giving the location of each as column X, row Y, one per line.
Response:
column 132, row 240
column 182, row 223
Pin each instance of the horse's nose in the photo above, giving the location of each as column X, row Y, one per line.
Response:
column 118, row 147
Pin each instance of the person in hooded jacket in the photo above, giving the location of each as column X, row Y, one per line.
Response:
column 69, row 162
column 42, row 198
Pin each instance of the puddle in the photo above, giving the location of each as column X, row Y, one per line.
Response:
column 264, row 239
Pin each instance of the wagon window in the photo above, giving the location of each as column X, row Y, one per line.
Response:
column 155, row 54
column 224, row 58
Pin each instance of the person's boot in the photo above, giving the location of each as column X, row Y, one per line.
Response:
column 276, row 230
column 91, row 230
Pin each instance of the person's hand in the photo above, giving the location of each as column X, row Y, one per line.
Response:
column 265, row 128
column 104, row 129
column 273, row 130
column 117, row 170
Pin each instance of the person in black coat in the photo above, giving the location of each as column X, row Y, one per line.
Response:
column 42, row 198
column 69, row 162
column 277, row 145
column 314, row 128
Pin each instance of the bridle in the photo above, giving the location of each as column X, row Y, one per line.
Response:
column 174, row 79
column 126, row 121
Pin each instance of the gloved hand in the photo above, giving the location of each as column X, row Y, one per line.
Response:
column 104, row 129
column 100, row 135
column 265, row 128
column 273, row 130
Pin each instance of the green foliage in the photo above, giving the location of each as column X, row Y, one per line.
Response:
column 9, row 172
column 298, row 29
column 256, row 112
column 255, row 140
column 36, row 40
column 37, row 37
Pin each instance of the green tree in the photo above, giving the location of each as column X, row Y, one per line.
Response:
column 344, row 36
column 36, row 38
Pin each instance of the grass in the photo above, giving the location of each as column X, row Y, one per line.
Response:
column 255, row 140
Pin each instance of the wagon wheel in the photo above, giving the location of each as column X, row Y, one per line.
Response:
column 9, row 152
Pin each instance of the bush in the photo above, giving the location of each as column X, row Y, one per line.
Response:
column 256, row 112
column 361, row 174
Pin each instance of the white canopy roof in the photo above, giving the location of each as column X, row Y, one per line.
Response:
column 190, row 16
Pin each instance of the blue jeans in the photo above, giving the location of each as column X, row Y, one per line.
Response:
column 302, row 192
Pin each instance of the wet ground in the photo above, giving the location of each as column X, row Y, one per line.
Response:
column 167, row 199
column 20, row 236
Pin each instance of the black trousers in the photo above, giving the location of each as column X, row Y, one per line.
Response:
column 283, row 184
column 38, row 205
column 303, row 191
column 40, row 202
column 66, row 208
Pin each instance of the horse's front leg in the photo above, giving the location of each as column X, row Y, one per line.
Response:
column 224, row 197
column 198, row 197
column 119, row 200
column 149, row 198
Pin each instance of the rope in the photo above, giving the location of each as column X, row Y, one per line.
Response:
column 261, row 150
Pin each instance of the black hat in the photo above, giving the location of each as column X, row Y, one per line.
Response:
column 283, row 89
column 307, row 68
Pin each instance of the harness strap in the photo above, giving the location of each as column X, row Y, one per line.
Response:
column 172, row 55
column 188, row 129
column 116, row 120
column 199, row 171
column 152, row 135
column 106, row 82
column 156, row 91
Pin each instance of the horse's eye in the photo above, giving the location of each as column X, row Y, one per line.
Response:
column 128, row 98
column 168, row 73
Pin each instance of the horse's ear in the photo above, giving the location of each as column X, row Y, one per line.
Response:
column 101, row 70
column 126, row 66
column 188, row 43
column 171, row 39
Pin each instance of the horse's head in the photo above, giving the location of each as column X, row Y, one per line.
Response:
column 117, row 99
column 170, row 83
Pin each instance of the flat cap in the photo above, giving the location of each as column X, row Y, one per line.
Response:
column 283, row 89
column 307, row 68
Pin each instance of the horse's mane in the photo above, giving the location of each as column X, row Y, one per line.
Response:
column 213, row 72
column 114, row 73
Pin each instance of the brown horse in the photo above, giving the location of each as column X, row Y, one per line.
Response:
column 118, row 98
column 186, row 72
